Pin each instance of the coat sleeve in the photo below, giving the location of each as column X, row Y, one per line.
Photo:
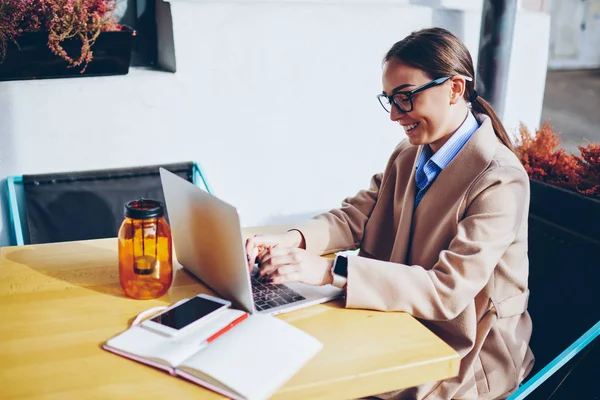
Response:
column 343, row 228
column 496, row 208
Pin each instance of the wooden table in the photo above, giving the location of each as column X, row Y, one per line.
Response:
column 60, row 302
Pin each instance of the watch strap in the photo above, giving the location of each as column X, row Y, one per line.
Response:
column 339, row 271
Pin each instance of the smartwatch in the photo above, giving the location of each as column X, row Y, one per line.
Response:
column 340, row 271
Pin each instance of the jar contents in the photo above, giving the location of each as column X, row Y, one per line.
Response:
column 145, row 250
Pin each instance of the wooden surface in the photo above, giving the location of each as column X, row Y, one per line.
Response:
column 60, row 302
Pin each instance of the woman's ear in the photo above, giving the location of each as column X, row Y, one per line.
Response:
column 457, row 89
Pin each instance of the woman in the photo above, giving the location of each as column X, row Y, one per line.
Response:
column 442, row 232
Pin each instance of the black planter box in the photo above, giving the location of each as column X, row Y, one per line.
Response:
column 568, row 209
column 32, row 59
column 564, row 279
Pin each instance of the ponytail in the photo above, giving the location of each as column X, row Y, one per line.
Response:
column 481, row 106
column 438, row 52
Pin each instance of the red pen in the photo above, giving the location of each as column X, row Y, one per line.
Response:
column 226, row 328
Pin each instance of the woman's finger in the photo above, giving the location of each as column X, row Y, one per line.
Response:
column 268, row 269
column 256, row 246
column 252, row 258
column 292, row 276
column 276, row 251
column 267, row 240
column 274, row 262
column 286, row 269
column 250, row 250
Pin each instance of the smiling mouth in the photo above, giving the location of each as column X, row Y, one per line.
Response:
column 410, row 127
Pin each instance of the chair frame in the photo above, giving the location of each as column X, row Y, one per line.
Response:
column 14, row 209
column 531, row 384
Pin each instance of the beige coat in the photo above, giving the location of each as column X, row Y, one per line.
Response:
column 459, row 264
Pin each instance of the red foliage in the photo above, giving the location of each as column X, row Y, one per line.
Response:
column 81, row 19
column 62, row 19
column 15, row 17
column 590, row 167
column 546, row 161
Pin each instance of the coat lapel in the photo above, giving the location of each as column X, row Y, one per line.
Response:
column 454, row 181
column 403, row 233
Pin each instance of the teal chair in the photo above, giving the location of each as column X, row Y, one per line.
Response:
column 545, row 373
column 81, row 205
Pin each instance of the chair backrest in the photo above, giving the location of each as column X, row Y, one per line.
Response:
column 83, row 205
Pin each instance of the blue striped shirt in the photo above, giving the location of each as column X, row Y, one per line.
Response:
column 430, row 165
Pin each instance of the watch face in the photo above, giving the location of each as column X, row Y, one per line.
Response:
column 341, row 266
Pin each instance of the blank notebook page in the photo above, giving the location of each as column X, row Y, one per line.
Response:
column 257, row 357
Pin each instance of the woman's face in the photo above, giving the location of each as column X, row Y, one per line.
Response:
column 437, row 112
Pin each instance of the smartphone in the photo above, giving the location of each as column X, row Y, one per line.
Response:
column 184, row 315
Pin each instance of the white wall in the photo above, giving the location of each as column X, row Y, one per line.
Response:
column 575, row 34
column 527, row 71
column 275, row 99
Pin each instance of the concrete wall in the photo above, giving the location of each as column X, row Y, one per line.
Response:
column 275, row 99
column 575, row 34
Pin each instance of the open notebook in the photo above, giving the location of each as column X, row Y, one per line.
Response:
column 250, row 361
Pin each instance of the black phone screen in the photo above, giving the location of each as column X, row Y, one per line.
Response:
column 188, row 312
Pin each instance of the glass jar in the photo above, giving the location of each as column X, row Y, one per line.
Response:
column 145, row 250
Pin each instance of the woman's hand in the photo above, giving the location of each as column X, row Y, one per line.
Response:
column 287, row 264
column 259, row 245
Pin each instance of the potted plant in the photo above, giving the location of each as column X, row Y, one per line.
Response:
column 565, row 188
column 563, row 243
column 59, row 38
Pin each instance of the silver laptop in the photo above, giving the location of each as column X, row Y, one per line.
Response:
column 208, row 242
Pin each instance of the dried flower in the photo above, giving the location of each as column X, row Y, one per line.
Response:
column 545, row 160
column 81, row 20
column 14, row 19
column 590, row 168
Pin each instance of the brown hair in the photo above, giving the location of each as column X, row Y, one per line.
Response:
column 437, row 52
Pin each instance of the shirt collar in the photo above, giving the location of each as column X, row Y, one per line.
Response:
column 446, row 153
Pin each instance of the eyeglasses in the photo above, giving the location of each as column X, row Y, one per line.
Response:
column 403, row 100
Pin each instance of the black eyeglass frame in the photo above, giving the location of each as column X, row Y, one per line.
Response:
column 410, row 93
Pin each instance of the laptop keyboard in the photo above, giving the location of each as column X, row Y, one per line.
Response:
column 268, row 296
